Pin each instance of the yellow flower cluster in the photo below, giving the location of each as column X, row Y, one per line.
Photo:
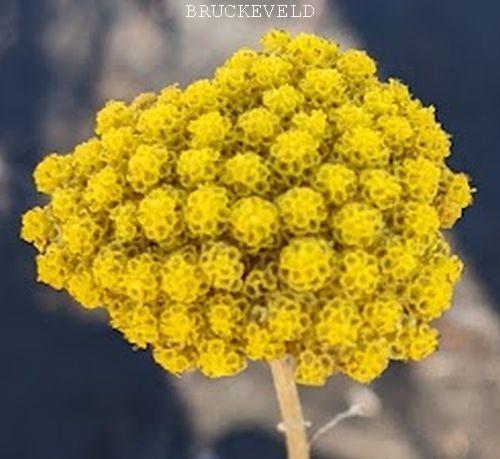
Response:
column 292, row 204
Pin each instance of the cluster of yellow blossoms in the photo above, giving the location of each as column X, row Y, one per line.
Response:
column 292, row 204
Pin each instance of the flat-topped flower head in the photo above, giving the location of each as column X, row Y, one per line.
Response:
column 291, row 204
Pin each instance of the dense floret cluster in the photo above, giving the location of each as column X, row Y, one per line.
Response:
column 292, row 204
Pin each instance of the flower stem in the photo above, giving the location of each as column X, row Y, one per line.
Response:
column 294, row 425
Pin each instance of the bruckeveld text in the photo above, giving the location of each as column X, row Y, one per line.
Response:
column 249, row 11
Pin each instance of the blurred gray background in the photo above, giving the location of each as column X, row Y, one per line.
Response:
column 71, row 388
